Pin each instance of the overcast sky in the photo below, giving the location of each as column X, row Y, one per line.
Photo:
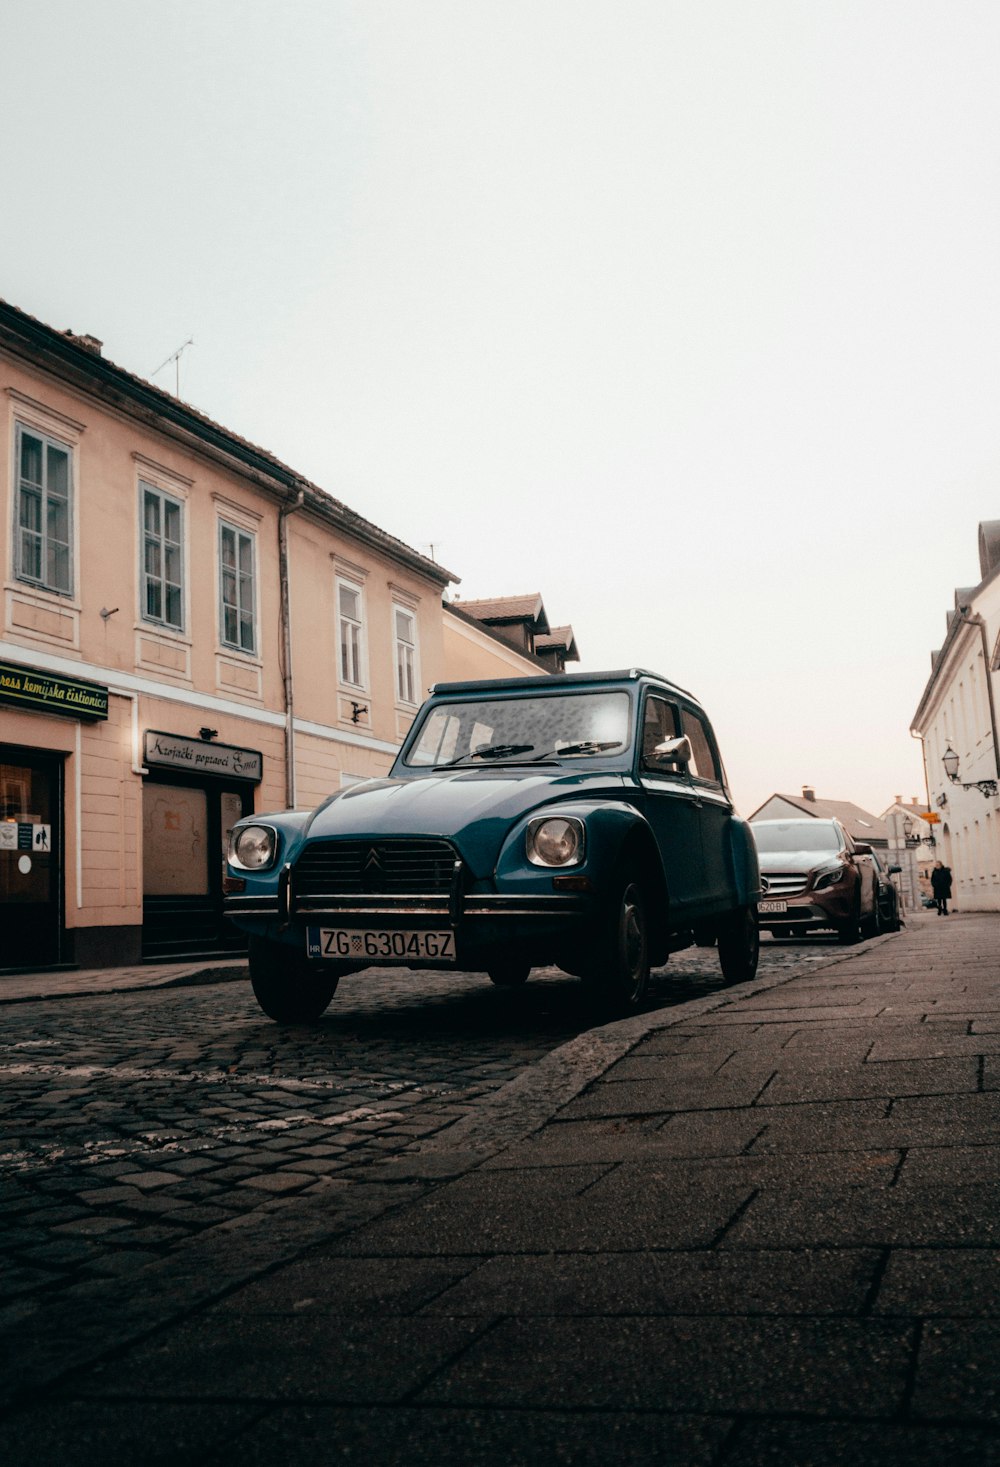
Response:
column 686, row 315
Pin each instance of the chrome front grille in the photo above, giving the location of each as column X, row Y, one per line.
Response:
column 399, row 866
column 781, row 883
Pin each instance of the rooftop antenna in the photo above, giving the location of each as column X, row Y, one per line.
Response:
column 175, row 357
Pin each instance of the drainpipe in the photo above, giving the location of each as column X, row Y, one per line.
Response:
column 286, row 645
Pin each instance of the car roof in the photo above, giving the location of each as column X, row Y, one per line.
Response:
column 562, row 680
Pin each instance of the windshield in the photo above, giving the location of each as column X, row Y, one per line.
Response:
column 512, row 729
column 795, row 835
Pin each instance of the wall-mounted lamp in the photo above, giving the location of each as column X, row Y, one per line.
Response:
column 104, row 613
column 356, row 711
column 986, row 787
column 917, row 832
column 209, row 733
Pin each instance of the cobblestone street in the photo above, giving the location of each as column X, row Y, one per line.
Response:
column 138, row 1121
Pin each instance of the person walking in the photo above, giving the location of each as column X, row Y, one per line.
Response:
column 941, row 886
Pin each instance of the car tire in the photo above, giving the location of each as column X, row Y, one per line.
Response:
column 739, row 945
column 508, row 972
column 286, row 987
column 617, row 974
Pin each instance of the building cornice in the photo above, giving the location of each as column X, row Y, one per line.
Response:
column 62, row 358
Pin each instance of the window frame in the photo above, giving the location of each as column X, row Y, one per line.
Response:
column 176, row 501
column 238, row 531
column 47, row 440
column 654, row 695
column 412, row 662
column 359, row 646
column 691, row 716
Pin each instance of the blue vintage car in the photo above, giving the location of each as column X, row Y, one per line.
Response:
column 577, row 820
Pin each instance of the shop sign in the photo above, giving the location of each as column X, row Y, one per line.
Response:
column 171, row 751
column 43, row 691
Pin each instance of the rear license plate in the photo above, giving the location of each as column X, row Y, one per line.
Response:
column 772, row 907
column 372, row 944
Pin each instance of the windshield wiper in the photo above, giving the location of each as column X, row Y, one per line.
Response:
column 489, row 751
column 585, row 746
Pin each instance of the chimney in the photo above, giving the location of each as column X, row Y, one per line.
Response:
column 808, row 793
column 89, row 343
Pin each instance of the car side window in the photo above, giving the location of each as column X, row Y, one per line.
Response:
column 703, row 763
column 659, row 723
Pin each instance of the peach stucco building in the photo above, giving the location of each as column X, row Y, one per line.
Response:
column 190, row 631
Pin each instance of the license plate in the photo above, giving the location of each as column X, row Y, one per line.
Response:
column 372, row 944
column 772, row 906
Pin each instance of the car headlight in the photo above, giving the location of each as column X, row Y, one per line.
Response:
column 253, row 847
column 830, row 876
column 555, row 840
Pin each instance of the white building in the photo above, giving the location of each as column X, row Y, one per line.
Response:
column 957, row 722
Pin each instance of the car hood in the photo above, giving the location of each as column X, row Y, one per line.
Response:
column 797, row 861
column 473, row 808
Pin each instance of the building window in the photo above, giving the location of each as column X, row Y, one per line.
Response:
column 44, row 501
column 236, row 563
column 162, row 558
column 351, row 634
column 406, row 655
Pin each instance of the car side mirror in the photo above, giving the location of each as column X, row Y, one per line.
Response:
column 895, row 870
column 672, row 751
column 861, row 849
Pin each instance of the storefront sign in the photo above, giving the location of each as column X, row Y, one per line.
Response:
column 43, row 691
column 171, row 751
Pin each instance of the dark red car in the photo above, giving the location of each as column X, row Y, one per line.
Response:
column 813, row 879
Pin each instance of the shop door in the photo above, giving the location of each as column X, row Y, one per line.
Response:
column 185, row 829
column 31, row 925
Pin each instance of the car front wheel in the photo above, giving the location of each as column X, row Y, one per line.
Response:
column 617, row 974
column 284, row 984
column 739, row 945
column 508, row 972
column 850, row 931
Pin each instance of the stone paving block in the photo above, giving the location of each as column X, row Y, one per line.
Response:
column 662, row 1097
column 696, row 1133
column 329, row 1285
column 943, row 1120
column 298, row 1357
column 95, row 1434
column 310, row 1436
column 926, row 1042
column 954, row 1282
column 807, row 1012
column 274, row 1182
column 91, row 1226
column 823, row 1367
column 941, row 1166
column 711, row 1281
column 152, row 1181
column 957, row 1377
column 870, row 1217
column 860, row 1444
column 858, row 1082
